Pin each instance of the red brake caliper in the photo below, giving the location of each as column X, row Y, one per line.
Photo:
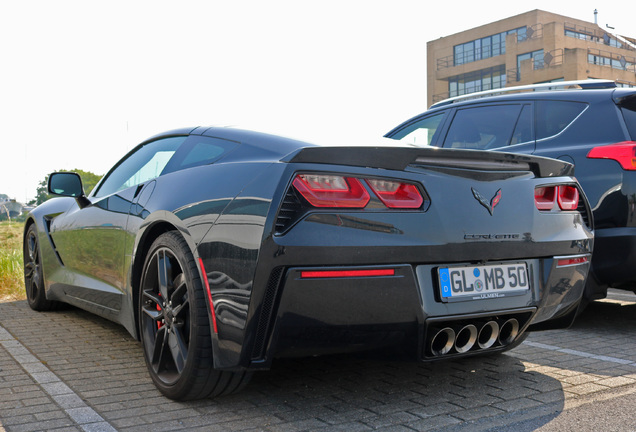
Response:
column 159, row 324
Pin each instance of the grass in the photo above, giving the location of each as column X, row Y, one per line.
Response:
column 11, row 265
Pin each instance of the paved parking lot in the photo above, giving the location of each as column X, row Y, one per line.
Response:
column 72, row 371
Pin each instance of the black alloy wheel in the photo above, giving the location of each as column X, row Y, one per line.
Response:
column 174, row 325
column 33, row 277
column 166, row 316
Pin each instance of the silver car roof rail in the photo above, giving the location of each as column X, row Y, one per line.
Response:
column 582, row 84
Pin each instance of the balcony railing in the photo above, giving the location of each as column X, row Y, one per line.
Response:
column 609, row 59
column 596, row 35
column 622, row 83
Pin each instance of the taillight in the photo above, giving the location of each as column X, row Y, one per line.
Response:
column 623, row 152
column 346, row 273
column 332, row 191
column 566, row 196
column 544, row 197
column 571, row 261
column 396, row 194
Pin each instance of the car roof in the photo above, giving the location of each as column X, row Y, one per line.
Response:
column 576, row 95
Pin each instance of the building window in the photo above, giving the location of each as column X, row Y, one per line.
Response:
column 489, row 46
column 486, row 79
column 536, row 56
column 600, row 60
column 606, row 38
column 582, row 36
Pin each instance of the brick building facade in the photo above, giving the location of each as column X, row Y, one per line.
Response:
column 533, row 47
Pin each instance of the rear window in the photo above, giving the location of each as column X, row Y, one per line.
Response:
column 199, row 150
column 552, row 117
column 628, row 108
column 488, row 127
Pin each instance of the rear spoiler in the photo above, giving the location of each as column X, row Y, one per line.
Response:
column 625, row 99
column 399, row 158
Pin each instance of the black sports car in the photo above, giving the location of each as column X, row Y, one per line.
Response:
column 221, row 249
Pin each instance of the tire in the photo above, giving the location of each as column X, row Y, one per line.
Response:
column 174, row 325
column 33, row 275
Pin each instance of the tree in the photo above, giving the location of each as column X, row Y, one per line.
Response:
column 89, row 180
column 41, row 193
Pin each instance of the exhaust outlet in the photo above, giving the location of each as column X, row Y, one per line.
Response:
column 488, row 335
column 475, row 333
column 466, row 338
column 509, row 331
column 443, row 341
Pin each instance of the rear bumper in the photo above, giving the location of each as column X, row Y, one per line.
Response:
column 404, row 311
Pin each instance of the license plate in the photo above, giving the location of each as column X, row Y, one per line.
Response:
column 483, row 282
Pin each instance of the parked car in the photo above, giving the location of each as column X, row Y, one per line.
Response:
column 221, row 249
column 592, row 126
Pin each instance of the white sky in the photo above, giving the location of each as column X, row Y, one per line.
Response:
column 82, row 82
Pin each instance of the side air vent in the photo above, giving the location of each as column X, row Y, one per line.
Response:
column 47, row 225
column 289, row 211
column 585, row 213
column 269, row 300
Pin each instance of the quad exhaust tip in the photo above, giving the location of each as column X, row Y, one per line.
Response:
column 443, row 341
column 488, row 335
column 509, row 331
column 464, row 338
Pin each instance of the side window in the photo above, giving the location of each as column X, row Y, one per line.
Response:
column 199, row 150
column 552, row 117
column 483, row 128
column 146, row 163
column 421, row 133
column 150, row 170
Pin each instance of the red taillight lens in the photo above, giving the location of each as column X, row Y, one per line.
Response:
column 346, row 273
column 544, row 197
column 568, row 197
column 566, row 262
column 623, row 152
column 397, row 194
column 332, row 191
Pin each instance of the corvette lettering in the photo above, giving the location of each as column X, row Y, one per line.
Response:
column 492, row 236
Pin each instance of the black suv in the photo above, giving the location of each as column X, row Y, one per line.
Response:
column 591, row 124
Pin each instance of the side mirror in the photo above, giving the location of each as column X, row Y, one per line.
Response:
column 65, row 184
column 68, row 184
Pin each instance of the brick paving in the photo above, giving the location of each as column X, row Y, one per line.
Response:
column 72, row 371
